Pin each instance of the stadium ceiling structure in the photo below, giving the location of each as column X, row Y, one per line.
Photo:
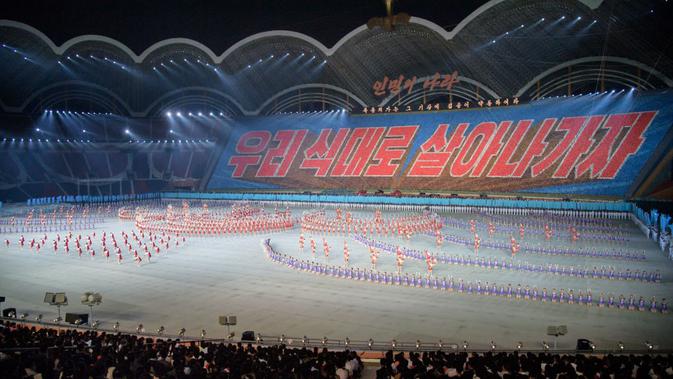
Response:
column 505, row 48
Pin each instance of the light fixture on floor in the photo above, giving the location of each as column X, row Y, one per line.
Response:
column 58, row 299
column 90, row 299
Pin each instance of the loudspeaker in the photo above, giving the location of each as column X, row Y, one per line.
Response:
column 7, row 311
column 248, row 335
column 73, row 317
column 583, row 344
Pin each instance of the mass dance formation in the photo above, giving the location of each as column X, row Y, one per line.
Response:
column 369, row 232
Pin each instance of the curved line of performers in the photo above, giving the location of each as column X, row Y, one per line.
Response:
column 494, row 263
column 450, row 285
column 607, row 234
column 593, row 253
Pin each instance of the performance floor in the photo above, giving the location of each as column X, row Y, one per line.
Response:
column 190, row 286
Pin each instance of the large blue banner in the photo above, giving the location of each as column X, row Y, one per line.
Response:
column 592, row 145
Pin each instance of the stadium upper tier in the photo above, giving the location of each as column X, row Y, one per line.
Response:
column 508, row 48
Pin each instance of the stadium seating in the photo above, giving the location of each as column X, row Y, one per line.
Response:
column 29, row 351
column 98, row 169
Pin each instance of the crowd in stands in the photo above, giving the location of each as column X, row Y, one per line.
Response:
column 504, row 365
column 90, row 354
column 43, row 353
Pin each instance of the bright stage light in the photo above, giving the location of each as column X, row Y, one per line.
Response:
column 211, row 113
column 179, row 114
column 200, row 114
column 221, row 114
column 169, row 114
column 127, row 131
column 190, row 114
column 37, row 129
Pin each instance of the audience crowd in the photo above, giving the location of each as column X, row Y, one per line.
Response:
column 43, row 353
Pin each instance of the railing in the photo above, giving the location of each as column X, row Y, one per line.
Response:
column 371, row 345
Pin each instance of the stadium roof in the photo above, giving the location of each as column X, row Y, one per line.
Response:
column 501, row 48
